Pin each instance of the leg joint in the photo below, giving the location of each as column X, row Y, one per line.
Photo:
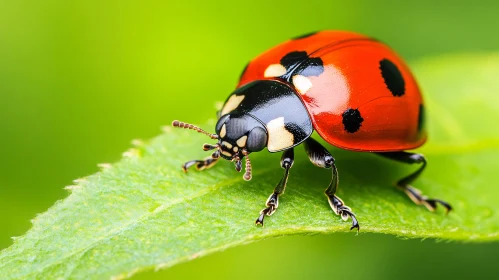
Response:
column 418, row 158
column 286, row 163
column 328, row 161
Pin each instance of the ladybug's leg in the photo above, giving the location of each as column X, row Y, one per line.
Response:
column 320, row 157
column 200, row 164
column 413, row 193
column 272, row 203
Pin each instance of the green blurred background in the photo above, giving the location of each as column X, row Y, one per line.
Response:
column 80, row 79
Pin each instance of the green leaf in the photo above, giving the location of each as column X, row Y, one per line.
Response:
column 144, row 212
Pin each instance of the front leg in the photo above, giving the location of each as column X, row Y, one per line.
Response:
column 200, row 164
column 204, row 163
column 320, row 157
column 272, row 203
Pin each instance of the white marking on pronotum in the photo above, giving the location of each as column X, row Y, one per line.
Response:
column 232, row 103
column 302, row 83
column 241, row 142
column 274, row 70
column 279, row 137
column 223, row 131
column 235, row 149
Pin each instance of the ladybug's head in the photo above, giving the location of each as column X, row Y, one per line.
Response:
column 238, row 136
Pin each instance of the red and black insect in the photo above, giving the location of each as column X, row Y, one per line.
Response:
column 353, row 90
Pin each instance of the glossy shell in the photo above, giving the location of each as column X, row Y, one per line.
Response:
column 359, row 93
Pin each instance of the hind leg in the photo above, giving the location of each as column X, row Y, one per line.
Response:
column 404, row 183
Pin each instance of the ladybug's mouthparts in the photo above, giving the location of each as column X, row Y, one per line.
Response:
column 235, row 158
column 238, row 164
column 216, row 155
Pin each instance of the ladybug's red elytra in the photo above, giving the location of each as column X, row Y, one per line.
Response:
column 353, row 90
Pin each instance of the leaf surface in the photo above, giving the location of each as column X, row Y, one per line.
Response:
column 144, row 212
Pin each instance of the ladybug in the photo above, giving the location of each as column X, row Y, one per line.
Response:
column 355, row 91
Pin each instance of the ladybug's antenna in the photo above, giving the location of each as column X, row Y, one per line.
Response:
column 180, row 124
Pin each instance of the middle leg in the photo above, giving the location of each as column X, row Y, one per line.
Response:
column 320, row 157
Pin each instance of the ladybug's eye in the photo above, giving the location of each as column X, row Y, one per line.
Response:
column 257, row 139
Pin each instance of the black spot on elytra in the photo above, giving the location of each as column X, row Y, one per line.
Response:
column 244, row 70
column 392, row 76
column 299, row 63
column 352, row 120
column 421, row 118
column 304, row 35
